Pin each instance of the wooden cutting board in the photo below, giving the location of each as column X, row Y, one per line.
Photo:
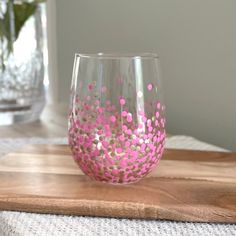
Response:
column 186, row 186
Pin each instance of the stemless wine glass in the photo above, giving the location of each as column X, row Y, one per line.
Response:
column 116, row 120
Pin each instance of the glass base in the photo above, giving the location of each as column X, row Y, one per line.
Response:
column 21, row 115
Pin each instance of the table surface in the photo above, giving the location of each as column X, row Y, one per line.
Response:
column 53, row 123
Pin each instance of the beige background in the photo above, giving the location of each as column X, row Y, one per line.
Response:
column 196, row 42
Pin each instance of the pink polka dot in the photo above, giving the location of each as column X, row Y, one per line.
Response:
column 119, row 150
column 157, row 114
column 99, row 120
column 123, row 163
column 108, row 134
column 136, row 132
column 100, row 132
column 150, row 129
column 129, row 117
column 115, row 172
column 87, row 107
column 143, row 146
column 158, row 105
column 134, row 154
column 151, row 146
column 122, row 101
column 135, row 141
column 107, row 127
column 127, row 143
column 129, row 132
column 113, row 119
column 124, row 127
column 149, row 123
column 108, row 102
column 144, row 119
column 124, row 113
column 100, row 110
column 90, row 87
column 104, row 144
column 150, row 87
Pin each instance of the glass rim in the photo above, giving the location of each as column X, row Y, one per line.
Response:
column 117, row 55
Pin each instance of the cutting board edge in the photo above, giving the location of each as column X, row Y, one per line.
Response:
column 77, row 207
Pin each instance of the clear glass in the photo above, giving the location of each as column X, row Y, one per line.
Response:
column 116, row 119
column 22, row 95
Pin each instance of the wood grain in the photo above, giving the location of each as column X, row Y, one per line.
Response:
column 187, row 186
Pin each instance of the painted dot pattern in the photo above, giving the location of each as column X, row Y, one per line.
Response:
column 112, row 144
column 122, row 101
column 150, row 87
column 113, row 119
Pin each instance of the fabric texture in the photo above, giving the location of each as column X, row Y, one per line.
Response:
column 30, row 224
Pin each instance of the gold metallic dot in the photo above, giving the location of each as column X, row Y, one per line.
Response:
column 95, row 141
column 133, row 147
column 112, row 141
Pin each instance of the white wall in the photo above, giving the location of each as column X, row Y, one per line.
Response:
column 196, row 42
